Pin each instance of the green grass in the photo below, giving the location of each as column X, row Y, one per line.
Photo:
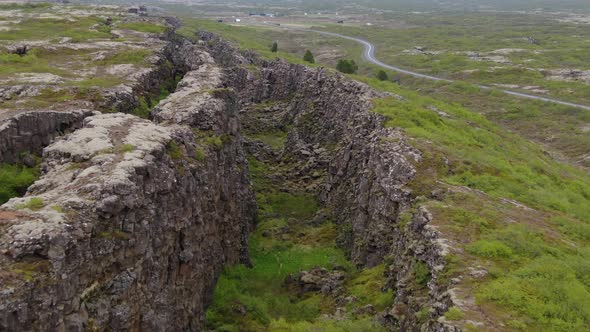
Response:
column 126, row 148
column 78, row 30
column 175, row 151
column 275, row 139
column 540, row 278
column 14, row 180
column 135, row 57
column 454, row 314
column 143, row 27
column 367, row 286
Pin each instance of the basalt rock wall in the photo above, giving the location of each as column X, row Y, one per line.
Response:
column 132, row 221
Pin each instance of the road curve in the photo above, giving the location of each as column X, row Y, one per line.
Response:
column 369, row 55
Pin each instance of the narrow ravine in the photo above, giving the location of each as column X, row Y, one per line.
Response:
column 299, row 279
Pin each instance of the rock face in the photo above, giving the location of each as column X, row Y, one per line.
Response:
column 132, row 221
column 30, row 132
column 332, row 130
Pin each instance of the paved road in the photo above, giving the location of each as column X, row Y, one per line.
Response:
column 369, row 55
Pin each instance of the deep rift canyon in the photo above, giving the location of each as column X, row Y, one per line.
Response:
column 133, row 220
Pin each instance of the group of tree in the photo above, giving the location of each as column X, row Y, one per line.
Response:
column 347, row 66
column 344, row 65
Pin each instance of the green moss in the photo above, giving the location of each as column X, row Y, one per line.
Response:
column 327, row 325
column 200, row 155
column 57, row 209
column 423, row 315
column 126, row 148
column 175, row 151
column 214, row 141
column 274, row 139
column 454, row 314
column 29, row 269
column 35, row 203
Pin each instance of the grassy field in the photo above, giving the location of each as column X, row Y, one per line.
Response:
column 485, row 48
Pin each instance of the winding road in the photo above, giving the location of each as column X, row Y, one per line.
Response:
column 369, row 55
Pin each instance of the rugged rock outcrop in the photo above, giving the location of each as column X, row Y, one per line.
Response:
column 127, row 229
column 132, row 221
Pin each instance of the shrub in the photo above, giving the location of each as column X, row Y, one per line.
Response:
column 275, row 47
column 308, row 57
column 382, row 75
column 347, row 66
column 142, row 109
column 421, row 273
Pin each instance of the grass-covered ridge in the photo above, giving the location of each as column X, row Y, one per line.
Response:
column 538, row 259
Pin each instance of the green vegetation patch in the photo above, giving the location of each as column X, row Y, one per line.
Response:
column 79, row 30
column 274, row 139
column 15, row 179
column 143, row 27
column 135, row 57
column 537, row 275
column 34, row 203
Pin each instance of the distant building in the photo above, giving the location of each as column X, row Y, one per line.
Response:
column 238, row 20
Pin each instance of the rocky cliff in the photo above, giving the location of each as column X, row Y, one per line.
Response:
column 132, row 221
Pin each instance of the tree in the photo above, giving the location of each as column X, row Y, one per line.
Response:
column 275, row 47
column 382, row 75
column 347, row 66
column 308, row 57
